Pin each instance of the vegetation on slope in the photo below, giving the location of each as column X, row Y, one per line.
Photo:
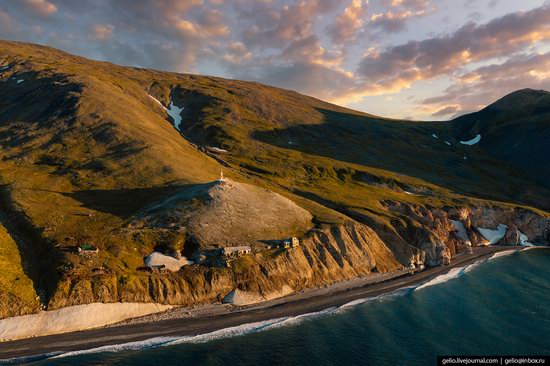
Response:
column 85, row 147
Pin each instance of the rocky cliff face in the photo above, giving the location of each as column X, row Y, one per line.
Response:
column 432, row 230
column 327, row 255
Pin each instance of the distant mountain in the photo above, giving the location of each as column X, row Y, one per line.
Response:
column 127, row 160
column 515, row 129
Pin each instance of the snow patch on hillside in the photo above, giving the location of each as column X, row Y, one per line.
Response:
column 171, row 263
column 158, row 101
column 461, row 232
column 473, row 141
column 216, row 149
column 524, row 240
column 434, row 136
column 493, row 236
column 448, row 143
column 73, row 318
column 174, row 112
column 19, row 81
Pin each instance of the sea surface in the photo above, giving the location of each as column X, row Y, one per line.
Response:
column 498, row 307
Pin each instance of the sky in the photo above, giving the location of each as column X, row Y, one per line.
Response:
column 413, row 59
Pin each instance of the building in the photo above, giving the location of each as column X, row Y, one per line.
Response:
column 287, row 243
column 220, row 257
column 87, row 249
column 236, row 251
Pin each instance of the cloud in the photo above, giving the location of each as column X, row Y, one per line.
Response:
column 348, row 23
column 400, row 12
column 309, row 49
column 451, row 109
column 269, row 27
column 40, row 7
column 103, row 31
column 444, row 55
column 477, row 88
column 8, row 26
column 236, row 53
column 309, row 78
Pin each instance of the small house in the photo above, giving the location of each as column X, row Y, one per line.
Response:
column 236, row 251
column 287, row 243
column 87, row 249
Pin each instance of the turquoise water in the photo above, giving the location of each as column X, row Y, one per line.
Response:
column 498, row 307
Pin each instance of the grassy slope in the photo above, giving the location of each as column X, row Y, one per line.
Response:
column 84, row 147
column 16, row 288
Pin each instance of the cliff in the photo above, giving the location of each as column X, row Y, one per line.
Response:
column 326, row 256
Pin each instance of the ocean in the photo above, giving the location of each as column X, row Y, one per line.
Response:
column 498, row 307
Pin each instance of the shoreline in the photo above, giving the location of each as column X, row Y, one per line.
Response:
column 206, row 319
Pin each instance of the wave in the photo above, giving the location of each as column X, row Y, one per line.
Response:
column 503, row 254
column 474, row 265
column 459, row 271
column 534, row 247
column 168, row 341
column 453, row 273
column 399, row 292
column 28, row 359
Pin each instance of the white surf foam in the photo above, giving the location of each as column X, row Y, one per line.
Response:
column 130, row 346
column 399, row 292
column 503, row 254
column 453, row 273
column 534, row 247
column 28, row 359
column 300, row 318
column 474, row 265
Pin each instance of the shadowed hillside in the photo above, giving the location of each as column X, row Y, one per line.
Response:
column 515, row 129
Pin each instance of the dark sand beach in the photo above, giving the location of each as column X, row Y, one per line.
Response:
column 182, row 322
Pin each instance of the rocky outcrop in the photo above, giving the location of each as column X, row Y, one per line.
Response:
column 441, row 233
column 536, row 227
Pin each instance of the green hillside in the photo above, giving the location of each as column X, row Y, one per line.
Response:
column 85, row 147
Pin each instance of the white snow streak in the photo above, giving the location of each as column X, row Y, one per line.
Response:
column 473, row 141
